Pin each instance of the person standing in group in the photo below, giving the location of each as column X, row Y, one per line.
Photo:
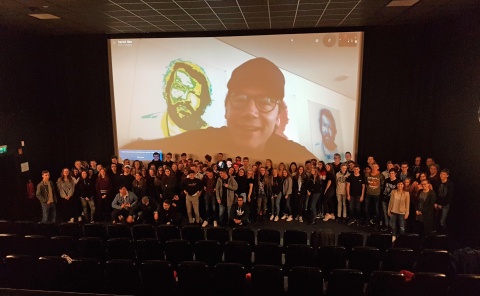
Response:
column 86, row 191
column 104, row 188
column 287, row 193
column 398, row 209
column 225, row 193
column 355, row 194
column 192, row 188
column 314, row 192
column 341, row 192
column 425, row 208
column 299, row 189
column 66, row 188
column 263, row 191
column 444, row 198
column 330, row 189
column 48, row 198
column 374, row 182
column 277, row 186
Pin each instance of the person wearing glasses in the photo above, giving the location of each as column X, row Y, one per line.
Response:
column 425, row 208
column 254, row 100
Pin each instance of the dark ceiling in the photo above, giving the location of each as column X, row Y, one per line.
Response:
column 157, row 16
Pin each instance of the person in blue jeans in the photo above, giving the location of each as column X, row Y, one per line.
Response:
column 444, row 198
column 398, row 209
column 47, row 197
column 314, row 191
column 277, row 187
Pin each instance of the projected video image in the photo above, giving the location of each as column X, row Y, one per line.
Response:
column 249, row 95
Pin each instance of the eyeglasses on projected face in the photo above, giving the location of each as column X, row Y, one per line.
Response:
column 263, row 104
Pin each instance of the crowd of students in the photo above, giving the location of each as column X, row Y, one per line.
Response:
column 237, row 192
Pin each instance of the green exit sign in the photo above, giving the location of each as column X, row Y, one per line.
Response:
column 3, row 149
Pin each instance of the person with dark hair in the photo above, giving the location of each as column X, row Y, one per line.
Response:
column 398, row 209
column 239, row 213
column 315, row 189
column 139, row 185
column 404, row 171
column 374, row 183
column 168, row 160
column 225, row 194
column 444, row 198
column 434, row 177
column 143, row 211
column 166, row 214
column 425, row 208
column 287, row 195
column 85, row 189
column 329, row 193
column 208, row 159
column 328, row 130
column 123, row 202
column 209, row 183
column 254, row 100
column 104, row 189
column 66, row 188
column 114, row 159
column 337, row 163
column 277, row 186
column 47, row 196
column 355, row 194
column 299, row 189
column 246, row 163
column 348, row 156
column 156, row 161
column 389, row 185
column 126, row 178
column 192, row 188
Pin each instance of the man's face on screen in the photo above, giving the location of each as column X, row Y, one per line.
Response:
column 327, row 128
column 250, row 126
column 184, row 98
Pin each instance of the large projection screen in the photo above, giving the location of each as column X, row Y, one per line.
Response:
column 169, row 95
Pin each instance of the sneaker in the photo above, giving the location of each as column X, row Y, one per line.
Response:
column 79, row 218
column 300, row 219
column 205, row 223
column 327, row 217
column 352, row 221
column 276, row 219
column 271, row 217
column 289, row 218
column 215, row 223
column 332, row 217
column 297, row 218
column 92, row 222
column 71, row 220
column 394, row 238
column 372, row 222
column 284, row 217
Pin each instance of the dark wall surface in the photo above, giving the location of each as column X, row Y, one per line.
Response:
column 420, row 96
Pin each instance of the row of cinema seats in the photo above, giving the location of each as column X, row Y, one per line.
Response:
column 195, row 233
column 159, row 277
column 326, row 257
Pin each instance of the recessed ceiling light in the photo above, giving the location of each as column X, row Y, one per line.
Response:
column 402, row 3
column 44, row 16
